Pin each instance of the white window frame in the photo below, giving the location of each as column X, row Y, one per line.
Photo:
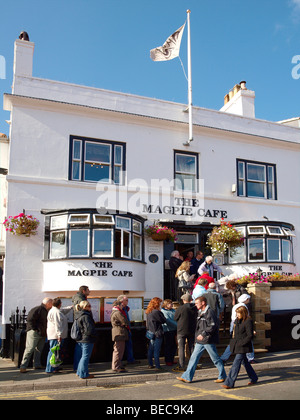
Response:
column 99, row 222
column 288, row 232
column 111, row 244
column 51, row 257
column 77, row 222
column 279, row 244
column 141, row 250
column 255, row 181
column 274, row 234
column 123, row 231
column 188, row 234
column 88, row 243
column 61, row 224
column 79, row 160
column 121, row 227
column 264, row 250
column 291, row 251
column 262, row 232
column 139, row 231
column 176, row 172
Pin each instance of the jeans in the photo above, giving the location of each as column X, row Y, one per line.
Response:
column 34, row 345
column 83, row 365
column 195, row 357
column 236, row 366
column 154, row 350
column 129, row 349
column 77, row 356
column 181, row 347
column 52, row 343
column 227, row 353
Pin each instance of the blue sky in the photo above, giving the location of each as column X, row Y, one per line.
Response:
column 106, row 44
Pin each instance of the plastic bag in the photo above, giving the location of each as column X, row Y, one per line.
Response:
column 55, row 359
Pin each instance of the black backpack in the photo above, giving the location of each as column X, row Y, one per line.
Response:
column 75, row 331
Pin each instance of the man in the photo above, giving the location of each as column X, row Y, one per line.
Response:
column 200, row 289
column 207, row 336
column 36, row 334
column 128, row 344
column 214, row 299
column 185, row 316
column 196, row 262
column 175, row 262
column 81, row 295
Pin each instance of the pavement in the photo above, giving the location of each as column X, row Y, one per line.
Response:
column 11, row 380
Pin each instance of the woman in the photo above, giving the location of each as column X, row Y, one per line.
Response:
column 170, row 330
column 154, row 321
column 57, row 329
column 209, row 267
column 240, row 344
column 185, row 281
column 120, row 334
column 86, row 324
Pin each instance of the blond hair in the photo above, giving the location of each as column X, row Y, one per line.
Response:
column 82, row 305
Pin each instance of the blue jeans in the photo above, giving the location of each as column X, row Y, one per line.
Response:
column 52, row 343
column 129, row 349
column 235, row 368
column 195, row 357
column 83, row 365
column 227, row 353
column 154, row 350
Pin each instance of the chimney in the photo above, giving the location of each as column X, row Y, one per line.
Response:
column 240, row 101
column 23, row 59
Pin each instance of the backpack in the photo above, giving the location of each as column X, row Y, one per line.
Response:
column 75, row 331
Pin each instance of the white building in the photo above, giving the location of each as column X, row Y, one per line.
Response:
column 76, row 150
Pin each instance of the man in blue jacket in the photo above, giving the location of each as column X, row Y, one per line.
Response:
column 206, row 337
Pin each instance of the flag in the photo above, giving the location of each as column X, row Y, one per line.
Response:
column 170, row 49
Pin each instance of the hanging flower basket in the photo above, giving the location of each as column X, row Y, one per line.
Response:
column 157, row 232
column 223, row 237
column 21, row 225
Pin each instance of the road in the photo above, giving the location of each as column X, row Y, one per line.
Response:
column 277, row 384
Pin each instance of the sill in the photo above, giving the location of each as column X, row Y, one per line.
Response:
column 93, row 259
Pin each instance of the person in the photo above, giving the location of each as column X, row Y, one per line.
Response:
column 200, row 289
column 206, row 337
column 154, row 321
column 196, row 262
column 243, row 300
column 36, row 332
column 236, row 290
column 206, row 277
column 81, row 295
column 86, row 324
column 120, row 334
column 175, row 262
column 209, row 266
column 189, row 256
column 57, row 329
column 240, row 344
column 214, row 299
column 128, row 344
column 186, row 317
column 185, row 283
column 170, row 329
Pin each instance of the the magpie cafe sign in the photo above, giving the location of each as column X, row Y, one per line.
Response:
column 98, row 275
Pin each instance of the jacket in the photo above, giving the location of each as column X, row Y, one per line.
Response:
column 207, row 326
column 242, row 337
column 198, row 291
column 57, row 325
column 120, row 325
column 79, row 297
column 86, row 325
column 186, row 316
column 174, row 263
column 154, row 322
column 37, row 320
column 170, row 325
column 184, row 279
column 215, row 301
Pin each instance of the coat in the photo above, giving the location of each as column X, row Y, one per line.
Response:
column 37, row 320
column 154, row 321
column 120, row 325
column 86, row 325
column 57, row 325
column 186, row 316
column 170, row 325
column 207, row 326
column 242, row 337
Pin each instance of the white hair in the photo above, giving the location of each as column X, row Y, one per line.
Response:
column 209, row 258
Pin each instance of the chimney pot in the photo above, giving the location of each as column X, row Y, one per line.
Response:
column 243, row 85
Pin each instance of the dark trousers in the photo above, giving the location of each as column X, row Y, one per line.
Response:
column 170, row 346
column 181, row 347
column 236, row 366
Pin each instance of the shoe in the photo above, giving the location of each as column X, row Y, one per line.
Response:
column 150, row 367
column 23, row 370
column 219, row 381
column 38, row 368
column 226, row 387
column 199, row 366
column 183, row 380
column 251, row 383
column 121, row 370
column 178, row 369
column 89, row 377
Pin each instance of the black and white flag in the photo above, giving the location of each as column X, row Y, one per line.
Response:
column 170, row 49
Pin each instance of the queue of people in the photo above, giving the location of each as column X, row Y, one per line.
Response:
column 195, row 322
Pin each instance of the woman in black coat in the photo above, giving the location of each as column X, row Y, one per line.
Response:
column 240, row 344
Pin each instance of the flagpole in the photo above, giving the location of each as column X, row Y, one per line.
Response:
column 190, row 106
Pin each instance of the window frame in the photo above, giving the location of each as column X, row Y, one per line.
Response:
column 196, row 174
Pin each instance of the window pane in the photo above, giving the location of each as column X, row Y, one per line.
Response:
column 256, row 249
column 270, row 173
column 241, row 188
column 273, row 250
column 271, row 191
column 185, row 182
column 76, row 171
column 256, row 189
column 58, row 244
column 137, row 247
column 77, row 149
column 95, row 152
column 96, row 172
column 79, row 243
column 256, row 172
column 238, row 255
column 187, row 238
column 79, row 219
column 123, row 223
column 126, row 244
column 59, row 222
column 117, row 175
column 103, row 243
column 186, row 164
column 241, row 170
column 286, row 251
column 136, row 226
column 118, row 155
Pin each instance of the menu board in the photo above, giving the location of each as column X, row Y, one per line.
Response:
column 95, row 308
column 135, row 313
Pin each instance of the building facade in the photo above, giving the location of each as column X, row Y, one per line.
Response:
column 96, row 167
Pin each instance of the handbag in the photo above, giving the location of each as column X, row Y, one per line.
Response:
column 55, row 359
